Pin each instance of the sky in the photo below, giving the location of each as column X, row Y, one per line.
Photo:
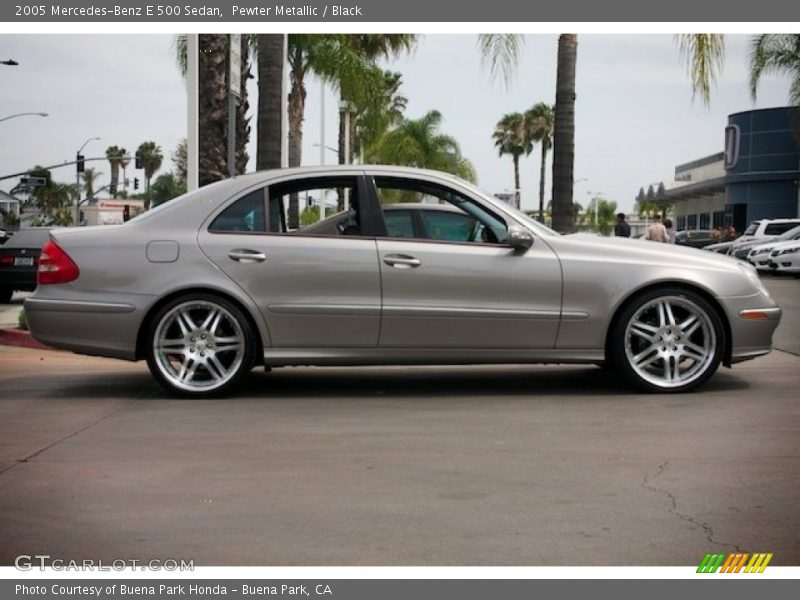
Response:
column 635, row 117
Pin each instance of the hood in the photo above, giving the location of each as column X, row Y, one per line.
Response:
column 643, row 250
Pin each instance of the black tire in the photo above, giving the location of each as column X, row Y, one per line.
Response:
column 235, row 324
column 671, row 347
column 5, row 295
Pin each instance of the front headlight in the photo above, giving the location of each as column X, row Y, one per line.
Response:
column 790, row 250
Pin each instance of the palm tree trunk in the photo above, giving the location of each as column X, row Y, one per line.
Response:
column 270, row 101
column 242, row 107
column 564, row 134
column 516, row 181
column 297, row 105
column 542, row 175
column 212, row 109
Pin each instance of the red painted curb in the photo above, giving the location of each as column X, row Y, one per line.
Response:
column 19, row 337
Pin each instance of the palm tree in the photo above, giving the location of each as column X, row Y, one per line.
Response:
column 511, row 137
column 270, row 101
column 151, row 157
column 540, row 121
column 564, row 134
column 213, row 77
column 501, row 52
column 90, row 175
column 704, row 55
column 115, row 155
column 385, row 112
column 166, row 187
column 776, row 53
column 357, row 82
column 418, row 143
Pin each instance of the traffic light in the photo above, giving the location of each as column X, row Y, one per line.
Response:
column 136, row 183
column 126, row 212
column 80, row 164
column 112, row 189
column 138, row 160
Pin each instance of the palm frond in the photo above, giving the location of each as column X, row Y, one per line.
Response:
column 500, row 53
column 704, row 55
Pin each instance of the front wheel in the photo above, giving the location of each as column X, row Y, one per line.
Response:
column 668, row 340
column 200, row 345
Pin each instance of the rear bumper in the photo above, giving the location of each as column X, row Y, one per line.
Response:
column 95, row 328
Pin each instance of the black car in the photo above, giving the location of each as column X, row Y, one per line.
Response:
column 695, row 238
column 19, row 261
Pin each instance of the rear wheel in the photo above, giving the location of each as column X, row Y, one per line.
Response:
column 200, row 345
column 668, row 340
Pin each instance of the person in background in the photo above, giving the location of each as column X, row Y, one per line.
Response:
column 657, row 232
column 622, row 229
column 670, row 231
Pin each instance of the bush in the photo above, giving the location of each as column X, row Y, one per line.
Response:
column 23, row 320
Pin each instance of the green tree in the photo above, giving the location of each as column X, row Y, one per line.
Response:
column 511, row 138
column 540, row 121
column 180, row 159
column 418, row 143
column 115, row 156
column 166, row 187
column 152, row 158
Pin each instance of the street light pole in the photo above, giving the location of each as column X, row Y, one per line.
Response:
column 22, row 114
column 78, row 181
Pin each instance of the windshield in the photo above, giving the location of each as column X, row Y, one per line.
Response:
column 751, row 229
column 527, row 219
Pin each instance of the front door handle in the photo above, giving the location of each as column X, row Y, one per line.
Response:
column 247, row 256
column 402, row 261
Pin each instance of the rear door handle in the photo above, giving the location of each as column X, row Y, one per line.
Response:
column 402, row 261
column 247, row 256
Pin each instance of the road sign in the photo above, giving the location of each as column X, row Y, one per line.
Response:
column 33, row 182
column 235, row 79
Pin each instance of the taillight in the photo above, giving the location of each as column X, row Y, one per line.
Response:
column 6, row 260
column 55, row 265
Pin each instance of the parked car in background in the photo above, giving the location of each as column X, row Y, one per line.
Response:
column 767, row 228
column 785, row 258
column 742, row 246
column 758, row 254
column 694, row 238
column 208, row 285
column 719, row 248
column 19, row 261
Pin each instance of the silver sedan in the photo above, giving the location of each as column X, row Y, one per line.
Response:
column 210, row 284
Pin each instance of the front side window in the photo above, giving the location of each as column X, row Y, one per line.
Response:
column 339, row 196
column 439, row 213
column 778, row 228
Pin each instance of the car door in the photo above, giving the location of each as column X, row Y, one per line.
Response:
column 313, row 290
column 453, row 294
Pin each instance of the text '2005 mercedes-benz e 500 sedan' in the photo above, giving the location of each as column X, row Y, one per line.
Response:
column 212, row 283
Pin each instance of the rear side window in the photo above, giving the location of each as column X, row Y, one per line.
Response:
column 451, row 227
column 399, row 223
column 778, row 228
column 244, row 215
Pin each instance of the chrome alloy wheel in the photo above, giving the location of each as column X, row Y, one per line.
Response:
column 198, row 346
column 670, row 342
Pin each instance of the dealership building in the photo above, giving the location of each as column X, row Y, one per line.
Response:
column 754, row 177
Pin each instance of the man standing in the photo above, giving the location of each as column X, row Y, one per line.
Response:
column 622, row 229
column 657, row 232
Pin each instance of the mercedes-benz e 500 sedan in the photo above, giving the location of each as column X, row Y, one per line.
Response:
column 212, row 283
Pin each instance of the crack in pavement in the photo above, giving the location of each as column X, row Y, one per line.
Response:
column 100, row 419
column 709, row 532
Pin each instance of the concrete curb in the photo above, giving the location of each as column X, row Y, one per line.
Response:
column 20, row 337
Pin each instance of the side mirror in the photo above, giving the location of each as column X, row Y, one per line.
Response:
column 520, row 239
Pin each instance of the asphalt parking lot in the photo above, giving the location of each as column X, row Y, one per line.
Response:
column 401, row 466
